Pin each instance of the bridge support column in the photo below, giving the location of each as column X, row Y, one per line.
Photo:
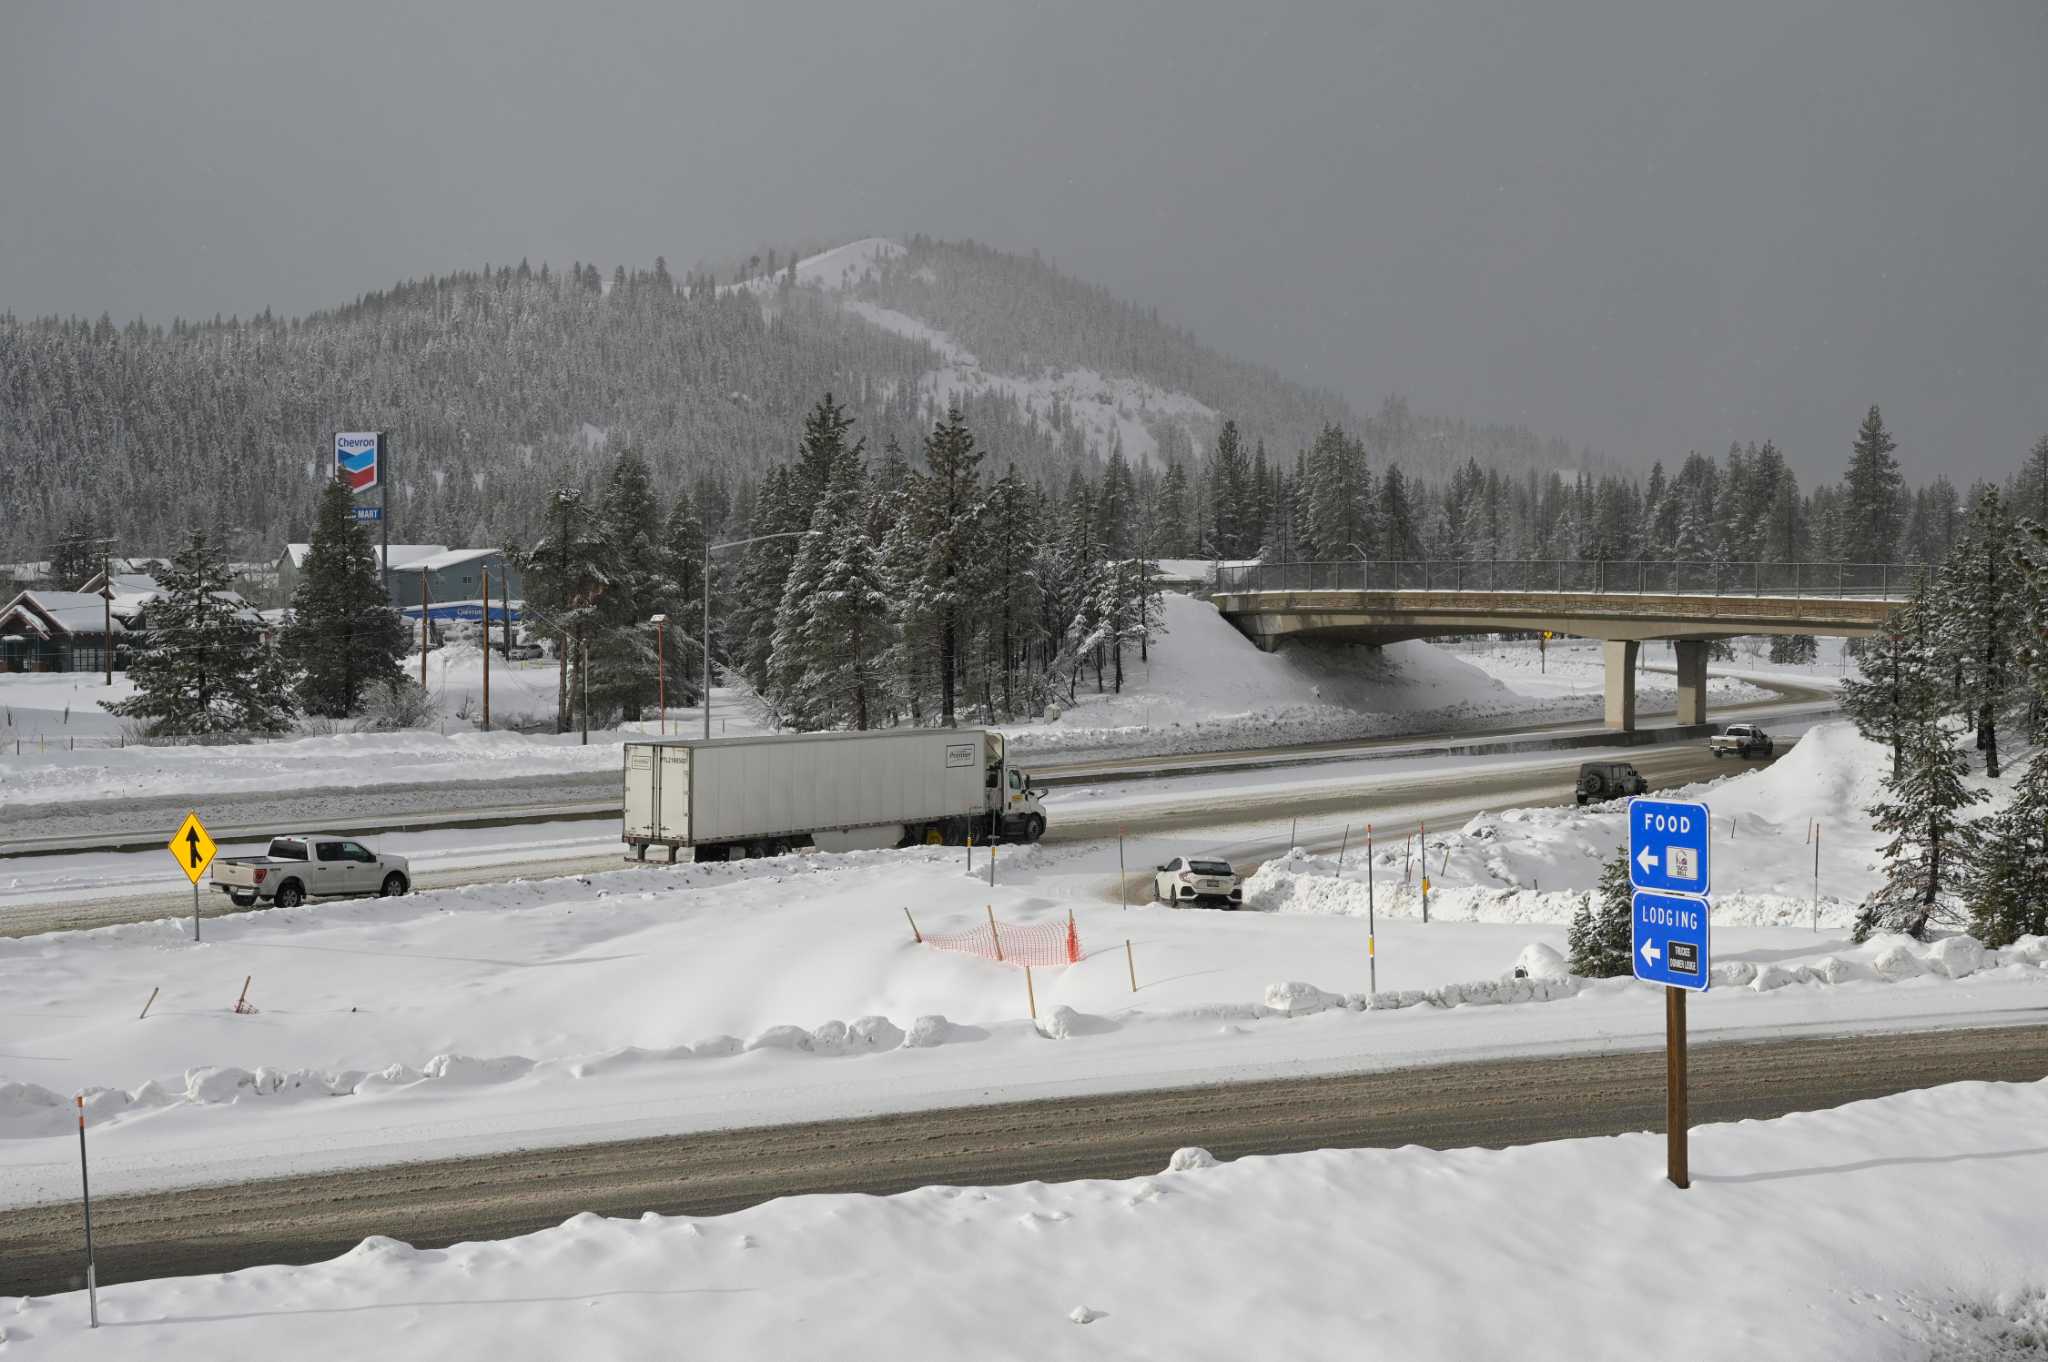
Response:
column 1691, row 655
column 1620, row 655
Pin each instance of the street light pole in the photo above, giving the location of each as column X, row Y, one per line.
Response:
column 661, row 671
column 710, row 549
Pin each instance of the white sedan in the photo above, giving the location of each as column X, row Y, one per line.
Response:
column 1192, row 879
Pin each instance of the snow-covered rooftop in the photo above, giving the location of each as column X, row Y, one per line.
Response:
column 402, row 555
column 58, row 612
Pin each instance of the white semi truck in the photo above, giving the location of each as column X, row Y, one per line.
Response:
column 725, row 798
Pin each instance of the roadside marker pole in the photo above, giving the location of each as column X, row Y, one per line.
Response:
column 970, row 853
column 487, row 657
column 1372, row 959
column 195, row 910
column 1676, row 1162
column 1424, row 838
column 1123, row 889
column 1816, row 875
column 151, row 1003
column 1343, row 846
column 92, row 1276
column 1131, row 961
column 991, row 865
column 1293, row 833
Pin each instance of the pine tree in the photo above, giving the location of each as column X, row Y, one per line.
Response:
column 1870, row 523
column 832, row 633
column 1928, row 855
column 1173, row 513
column 76, row 558
column 205, row 667
column 2007, row 887
column 343, row 637
column 1980, row 615
column 1227, row 495
column 1600, row 939
column 1897, row 684
column 628, row 525
column 951, row 516
column 564, row 576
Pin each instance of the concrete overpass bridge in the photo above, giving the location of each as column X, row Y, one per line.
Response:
column 1623, row 604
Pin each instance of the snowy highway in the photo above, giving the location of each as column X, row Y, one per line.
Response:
column 1243, row 814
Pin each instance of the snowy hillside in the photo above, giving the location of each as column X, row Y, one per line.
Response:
column 1124, row 411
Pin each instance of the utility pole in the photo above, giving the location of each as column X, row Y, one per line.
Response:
column 585, row 640
column 423, row 628
column 487, row 650
column 710, row 549
column 660, row 671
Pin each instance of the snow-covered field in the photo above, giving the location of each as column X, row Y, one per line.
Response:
column 653, row 999
column 1896, row 1228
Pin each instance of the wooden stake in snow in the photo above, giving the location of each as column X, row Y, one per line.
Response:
column 1123, row 888
column 913, row 926
column 994, row 934
column 242, row 1003
column 1343, row 846
column 151, row 1003
column 1131, row 961
column 1030, row 994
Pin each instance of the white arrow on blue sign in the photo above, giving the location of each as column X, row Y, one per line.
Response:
column 1670, row 941
column 1668, row 841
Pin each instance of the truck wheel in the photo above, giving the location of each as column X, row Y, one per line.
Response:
column 242, row 900
column 1034, row 828
column 289, row 895
column 394, row 885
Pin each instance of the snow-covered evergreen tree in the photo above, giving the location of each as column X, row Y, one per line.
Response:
column 342, row 638
column 1600, row 938
column 1928, row 855
column 564, row 576
column 1980, row 610
column 205, row 667
column 1871, row 487
column 2007, row 887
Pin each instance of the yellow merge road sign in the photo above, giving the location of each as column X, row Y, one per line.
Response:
column 192, row 847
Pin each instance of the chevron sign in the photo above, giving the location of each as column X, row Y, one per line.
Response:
column 355, row 460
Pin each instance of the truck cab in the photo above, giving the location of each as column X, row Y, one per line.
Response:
column 1015, row 810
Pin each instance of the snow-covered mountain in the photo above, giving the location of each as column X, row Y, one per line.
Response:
column 500, row 383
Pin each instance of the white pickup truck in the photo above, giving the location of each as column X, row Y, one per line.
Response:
column 310, row 865
column 1741, row 740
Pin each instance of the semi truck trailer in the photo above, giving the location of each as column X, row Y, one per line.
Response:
column 725, row 798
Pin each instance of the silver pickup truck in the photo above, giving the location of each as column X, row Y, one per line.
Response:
column 1742, row 740
column 310, row 865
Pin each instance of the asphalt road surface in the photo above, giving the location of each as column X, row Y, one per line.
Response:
column 1494, row 1104
column 1251, row 823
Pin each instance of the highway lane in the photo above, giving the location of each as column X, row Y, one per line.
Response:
column 1242, row 820
column 1494, row 1103
column 140, row 823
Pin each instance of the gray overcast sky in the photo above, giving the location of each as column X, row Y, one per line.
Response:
column 1641, row 227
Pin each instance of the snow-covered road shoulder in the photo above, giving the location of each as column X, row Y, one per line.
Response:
column 1889, row 1228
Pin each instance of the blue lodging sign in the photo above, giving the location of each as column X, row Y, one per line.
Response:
column 1670, row 941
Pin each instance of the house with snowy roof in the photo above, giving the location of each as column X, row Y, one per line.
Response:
column 58, row 631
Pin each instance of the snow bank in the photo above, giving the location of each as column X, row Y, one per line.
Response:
column 1852, row 1265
